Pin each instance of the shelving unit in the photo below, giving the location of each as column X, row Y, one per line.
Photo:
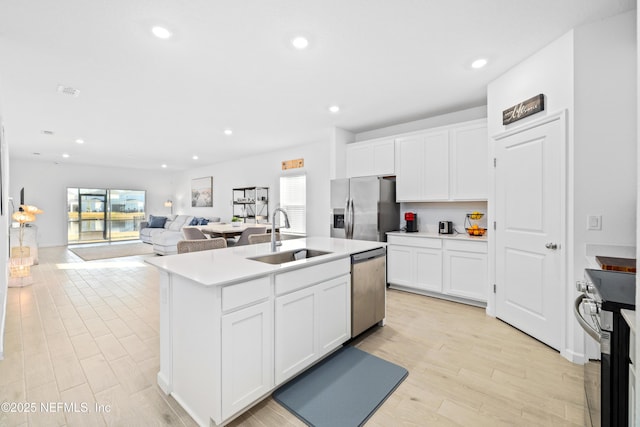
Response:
column 251, row 203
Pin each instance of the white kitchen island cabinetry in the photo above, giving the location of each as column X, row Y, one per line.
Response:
column 371, row 158
column 232, row 329
column 312, row 321
column 444, row 266
column 443, row 164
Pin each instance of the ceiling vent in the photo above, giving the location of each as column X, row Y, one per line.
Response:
column 68, row 90
column 47, row 132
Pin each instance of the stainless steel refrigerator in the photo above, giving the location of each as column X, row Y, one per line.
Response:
column 364, row 208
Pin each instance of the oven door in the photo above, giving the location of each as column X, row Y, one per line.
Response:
column 593, row 386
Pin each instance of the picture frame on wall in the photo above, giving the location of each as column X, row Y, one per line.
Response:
column 202, row 192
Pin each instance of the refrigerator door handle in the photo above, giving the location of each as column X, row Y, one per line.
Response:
column 346, row 219
column 352, row 219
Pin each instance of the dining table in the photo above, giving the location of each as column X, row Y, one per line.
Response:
column 227, row 230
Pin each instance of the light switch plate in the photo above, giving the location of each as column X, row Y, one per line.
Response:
column 594, row 222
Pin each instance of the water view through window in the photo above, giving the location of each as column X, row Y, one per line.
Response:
column 104, row 215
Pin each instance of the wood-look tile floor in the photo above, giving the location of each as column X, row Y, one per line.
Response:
column 86, row 334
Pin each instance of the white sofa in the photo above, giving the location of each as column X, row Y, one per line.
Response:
column 165, row 240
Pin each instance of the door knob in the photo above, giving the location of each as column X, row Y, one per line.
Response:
column 551, row 246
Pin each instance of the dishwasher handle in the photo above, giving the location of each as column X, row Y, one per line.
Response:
column 368, row 255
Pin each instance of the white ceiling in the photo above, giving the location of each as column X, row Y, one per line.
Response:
column 145, row 101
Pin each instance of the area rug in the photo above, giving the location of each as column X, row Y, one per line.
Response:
column 91, row 253
column 343, row 390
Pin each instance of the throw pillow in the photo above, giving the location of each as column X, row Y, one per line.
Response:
column 194, row 221
column 203, row 221
column 157, row 221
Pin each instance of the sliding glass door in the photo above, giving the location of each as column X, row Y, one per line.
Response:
column 103, row 215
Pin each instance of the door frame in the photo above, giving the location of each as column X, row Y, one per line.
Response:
column 566, row 212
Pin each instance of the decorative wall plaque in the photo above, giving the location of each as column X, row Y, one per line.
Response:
column 292, row 164
column 524, row 109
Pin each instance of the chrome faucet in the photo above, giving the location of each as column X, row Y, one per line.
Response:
column 273, row 227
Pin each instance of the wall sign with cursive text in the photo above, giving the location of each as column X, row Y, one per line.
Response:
column 524, row 109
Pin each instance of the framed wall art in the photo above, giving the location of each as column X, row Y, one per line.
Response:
column 202, row 192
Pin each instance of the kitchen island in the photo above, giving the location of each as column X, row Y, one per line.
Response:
column 233, row 328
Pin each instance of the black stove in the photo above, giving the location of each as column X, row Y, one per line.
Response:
column 615, row 290
column 604, row 294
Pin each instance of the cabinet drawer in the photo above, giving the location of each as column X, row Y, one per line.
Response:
column 466, row 246
column 234, row 296
column 419, row 242
column 298, row 279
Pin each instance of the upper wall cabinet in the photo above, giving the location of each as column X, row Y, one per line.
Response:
column 449, row 163
column 371, row 158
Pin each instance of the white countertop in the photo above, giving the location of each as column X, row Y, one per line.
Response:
column 459, row 236
column 223, row 266
column 630, row 318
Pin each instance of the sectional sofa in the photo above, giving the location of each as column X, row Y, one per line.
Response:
column 164, row 233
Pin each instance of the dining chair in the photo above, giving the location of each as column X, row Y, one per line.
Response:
column 244, row 237
column 185, row 246
column 262, row 238
column 193, row 233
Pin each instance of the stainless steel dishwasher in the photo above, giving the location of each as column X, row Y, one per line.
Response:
column 368, row 287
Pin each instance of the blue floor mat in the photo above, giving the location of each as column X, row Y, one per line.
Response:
column 343, row 390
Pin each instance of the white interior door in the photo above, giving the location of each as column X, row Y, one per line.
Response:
column 529, row 229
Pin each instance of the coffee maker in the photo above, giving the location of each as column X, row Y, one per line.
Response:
column 412, row 222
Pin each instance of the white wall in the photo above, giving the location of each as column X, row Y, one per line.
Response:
column 590, row 73
column 264, row 170
column 429, row 214
column 45, row 186
column 4, row 235
column 427, row 123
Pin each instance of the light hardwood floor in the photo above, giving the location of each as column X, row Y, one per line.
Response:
column 87, row 333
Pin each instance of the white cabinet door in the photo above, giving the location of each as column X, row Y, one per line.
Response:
column 435, row 180
column 360, row 160
column 247, row 355
column 469, row 162
column 334, row 309
column 399, row 267
column 465, row 274
column 371, row 158
column 409, row 168
column 428, row 269
column 384, row 153
column 296, row 334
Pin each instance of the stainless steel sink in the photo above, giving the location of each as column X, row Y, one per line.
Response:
column 289, row 256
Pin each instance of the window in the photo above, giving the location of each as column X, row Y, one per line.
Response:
column 293, row 199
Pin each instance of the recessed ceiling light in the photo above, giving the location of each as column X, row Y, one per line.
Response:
column 479, row 63
column 79, row 141
column 163, row 165
column 195, row 157
column 334, row 108
column 300, row 42
column 228, row 132
column 65, row 155
column 161, row 32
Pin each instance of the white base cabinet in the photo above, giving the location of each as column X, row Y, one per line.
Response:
column 454, row 269
column 247, row 355
column 310, row 323
column 465, row 269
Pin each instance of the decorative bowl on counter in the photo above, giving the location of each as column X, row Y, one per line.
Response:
column 476, row 231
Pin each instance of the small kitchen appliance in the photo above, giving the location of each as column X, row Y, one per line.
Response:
column 445, row 227
column 412, row 222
